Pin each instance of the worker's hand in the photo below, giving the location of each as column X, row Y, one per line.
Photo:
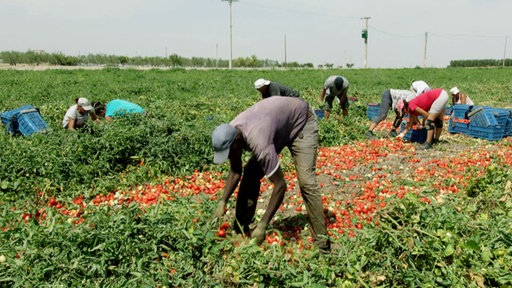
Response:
column 220, row 210
column 259, row 233
column 400, row 136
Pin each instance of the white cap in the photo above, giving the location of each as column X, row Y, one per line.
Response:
column 260, row 83
column 84, row 103
column 454, row 91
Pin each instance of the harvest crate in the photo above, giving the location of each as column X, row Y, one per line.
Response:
column 414, row 135
column 492, row 132
column 25, row 120
column 461, row 111
column 30, row 121
column 501, row 115
column 508, row 128
column 372, row 110
column 8, row 117
column 320, row 113
column 449, row 110
column 457, row 125
column 482, row 117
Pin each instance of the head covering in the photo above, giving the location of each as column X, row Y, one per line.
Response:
column 260, row 83
column 84, row 103
column 454, row 91
column 222, row 138
column 420, row 87
column 338, row 83
column 400, row 107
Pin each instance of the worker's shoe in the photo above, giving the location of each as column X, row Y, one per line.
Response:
column 369, row 134
column 425, row 146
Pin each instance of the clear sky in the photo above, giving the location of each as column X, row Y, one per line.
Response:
column 305, row 31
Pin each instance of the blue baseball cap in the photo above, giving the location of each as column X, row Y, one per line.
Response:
column 222, row 138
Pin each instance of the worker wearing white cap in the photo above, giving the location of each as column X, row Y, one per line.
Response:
column 460, row 98
column 269, row 88
column 78, row 114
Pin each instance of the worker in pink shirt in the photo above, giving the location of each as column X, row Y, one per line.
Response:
column 431, row 105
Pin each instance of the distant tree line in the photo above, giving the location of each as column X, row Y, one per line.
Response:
column 481, row 63
column 37, row 57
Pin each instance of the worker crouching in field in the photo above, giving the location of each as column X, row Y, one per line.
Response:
column 335, row 86
column 389, row 100
column 117, row 107
column 265, row 129
column 460, row 98
column 77, row 115
column 434, row 101
column 420, row 87
column 269, row 88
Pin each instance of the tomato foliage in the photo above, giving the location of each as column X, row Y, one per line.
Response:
column 129, row 203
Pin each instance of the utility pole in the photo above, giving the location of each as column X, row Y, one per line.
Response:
column 230, row 33
column 216, row 55
column 364, row 35
column 285, row 50
column 425, row 51
column 505, row 51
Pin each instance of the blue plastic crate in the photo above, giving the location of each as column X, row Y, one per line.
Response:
column 461, row 111
column 482, row 117
column 493, row 132
column 449, row 110
column 372, row 110
column 414, row 135
column 508, row 128
column 456, row 125
column 319, row 113
column 29, row 122
column 501, row 115
column 9, row 117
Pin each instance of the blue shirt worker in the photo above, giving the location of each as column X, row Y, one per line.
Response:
column 335, row 86
column 265, row 129
column 116, row 108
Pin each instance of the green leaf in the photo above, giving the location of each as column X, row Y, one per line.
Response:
column 449, row 250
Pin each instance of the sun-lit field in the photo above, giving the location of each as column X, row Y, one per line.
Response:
column 129, row 203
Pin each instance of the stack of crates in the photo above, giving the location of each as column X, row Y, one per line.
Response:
column 487, row 122
column 459, row 121
column 24, row 120
column 372, row 110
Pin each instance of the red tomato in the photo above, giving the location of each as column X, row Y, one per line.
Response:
column 52, row 202
column 221, row 233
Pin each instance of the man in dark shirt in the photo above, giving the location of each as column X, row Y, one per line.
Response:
column 265, row 129
column 269, row 88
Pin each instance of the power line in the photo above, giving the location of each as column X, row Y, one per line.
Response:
column 468, row 36
column 301, row 11
column 396, row 35
column 445, row 35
